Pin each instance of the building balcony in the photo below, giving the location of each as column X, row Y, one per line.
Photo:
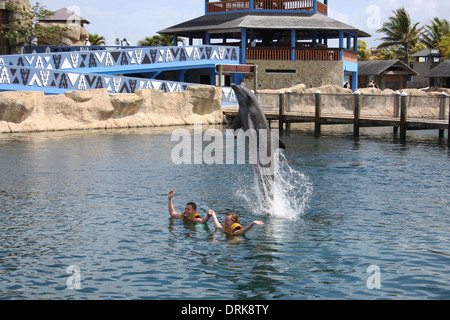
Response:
column 303, row 6
column 302, row 54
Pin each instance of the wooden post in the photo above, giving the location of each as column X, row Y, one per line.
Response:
column 448, row 129
column 357, row 114
column 281, row 111
column 318, row 112
column 220, row 75
column 403, row 116
column 396, row 110
column 288, row 109
column 255, row 79
column 442, row 114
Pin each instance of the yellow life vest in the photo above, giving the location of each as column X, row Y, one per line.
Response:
column 232, row 228
column 191, row 217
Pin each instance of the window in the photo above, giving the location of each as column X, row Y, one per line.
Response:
column 438, row 82
column 3, row 17
column 282, row 71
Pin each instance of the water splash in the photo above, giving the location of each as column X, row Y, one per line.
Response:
column 292, row 191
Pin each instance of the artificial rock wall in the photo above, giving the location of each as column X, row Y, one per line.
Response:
column 28, row 111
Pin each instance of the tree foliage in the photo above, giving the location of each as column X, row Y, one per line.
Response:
column 97, row 40
column 158, row 40
column 403, row 38
column 400, row 34
column 28, row 29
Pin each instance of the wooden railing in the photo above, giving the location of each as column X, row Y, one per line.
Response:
column 269, row 54
column 236, row 5
column 322, row 8
column 350, row 56
column 307, row 5
column 317, row 54
column 301, row 54
column 225, row 6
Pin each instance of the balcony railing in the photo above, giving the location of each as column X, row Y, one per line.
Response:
column 224, row 6
column 289, row 5
column 301, row 54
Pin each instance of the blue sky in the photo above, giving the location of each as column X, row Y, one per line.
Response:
column 134, row 20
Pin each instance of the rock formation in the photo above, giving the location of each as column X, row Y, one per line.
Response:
column 23, row 111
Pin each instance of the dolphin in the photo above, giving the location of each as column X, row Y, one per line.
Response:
column 251, row 117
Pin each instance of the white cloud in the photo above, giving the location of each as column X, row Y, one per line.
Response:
column 337, row 15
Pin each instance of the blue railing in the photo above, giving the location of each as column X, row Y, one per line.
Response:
column 55, row 73
column 124, row 61
column 55, row 82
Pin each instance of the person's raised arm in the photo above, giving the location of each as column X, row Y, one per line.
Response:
column 205, row 219
column 216, row 222
column 247, row 228
column 172, row 211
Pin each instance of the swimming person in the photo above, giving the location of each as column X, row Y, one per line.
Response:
column 232, row 226
column 190, row 211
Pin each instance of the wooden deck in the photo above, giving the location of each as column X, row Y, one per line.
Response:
column 411, row 124
column 400, row 123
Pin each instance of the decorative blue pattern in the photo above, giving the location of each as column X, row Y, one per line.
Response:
column 56, row 73
column 55, row 82
column 143, row 59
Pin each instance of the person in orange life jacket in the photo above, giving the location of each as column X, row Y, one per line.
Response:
column 232, row 226
column 190, row 211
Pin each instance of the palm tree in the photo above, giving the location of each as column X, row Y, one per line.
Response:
column 97, row 40
column 445, row 47
column 388, row 53
column 434, row 33
column 400, row 32
column 364, row 54
column 158, row 40
column 149, row 41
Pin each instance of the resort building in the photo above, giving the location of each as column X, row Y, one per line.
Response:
column 439, row 76
column 424, row 61
column 386, row 74
column 291, row 41
column 76, row 35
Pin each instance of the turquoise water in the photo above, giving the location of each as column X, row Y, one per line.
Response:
column 96, row 201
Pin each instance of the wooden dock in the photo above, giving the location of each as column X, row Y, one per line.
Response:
column 400, row 121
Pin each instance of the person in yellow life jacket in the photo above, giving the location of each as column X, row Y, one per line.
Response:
column 232, row 226
column 190, row 211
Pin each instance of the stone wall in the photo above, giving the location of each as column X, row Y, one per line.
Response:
column 285, row 74
column 27, row 111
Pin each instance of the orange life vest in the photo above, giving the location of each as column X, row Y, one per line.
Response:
column 191, row 217
column 231, row 229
